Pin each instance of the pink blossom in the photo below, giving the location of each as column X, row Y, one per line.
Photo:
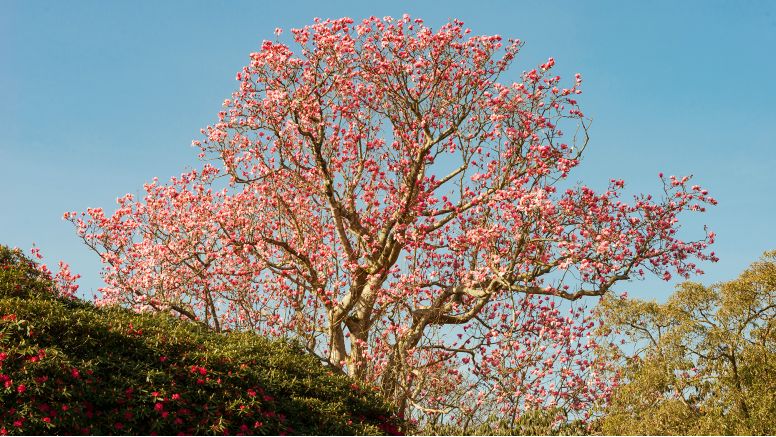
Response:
column 387, row 175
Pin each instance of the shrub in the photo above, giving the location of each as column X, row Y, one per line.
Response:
column 532, row 422
column 20, row 276
column 67, row 367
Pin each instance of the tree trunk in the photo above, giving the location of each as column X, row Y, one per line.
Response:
column 337, row 351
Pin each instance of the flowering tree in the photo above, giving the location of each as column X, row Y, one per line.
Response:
column 382, row 197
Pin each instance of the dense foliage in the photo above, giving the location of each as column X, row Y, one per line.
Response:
column 705, row 361
column 540, row 421
column 67, row 367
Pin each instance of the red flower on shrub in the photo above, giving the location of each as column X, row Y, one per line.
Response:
column 21, row 388
column 199, row 369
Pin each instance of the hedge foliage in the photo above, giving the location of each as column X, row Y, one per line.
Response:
column 67, row 367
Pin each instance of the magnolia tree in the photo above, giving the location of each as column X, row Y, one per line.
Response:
column 379, row 194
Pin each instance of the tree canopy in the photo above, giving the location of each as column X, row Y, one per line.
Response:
column 705, row 361
column 376, row 190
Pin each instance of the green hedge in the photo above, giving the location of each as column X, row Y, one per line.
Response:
column 67, row 367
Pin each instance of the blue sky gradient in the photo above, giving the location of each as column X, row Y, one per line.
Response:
column 98, row 97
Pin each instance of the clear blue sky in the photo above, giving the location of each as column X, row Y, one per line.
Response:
column 98, row 97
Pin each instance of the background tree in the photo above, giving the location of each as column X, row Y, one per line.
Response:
column 404, row 214
column 705, row 361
